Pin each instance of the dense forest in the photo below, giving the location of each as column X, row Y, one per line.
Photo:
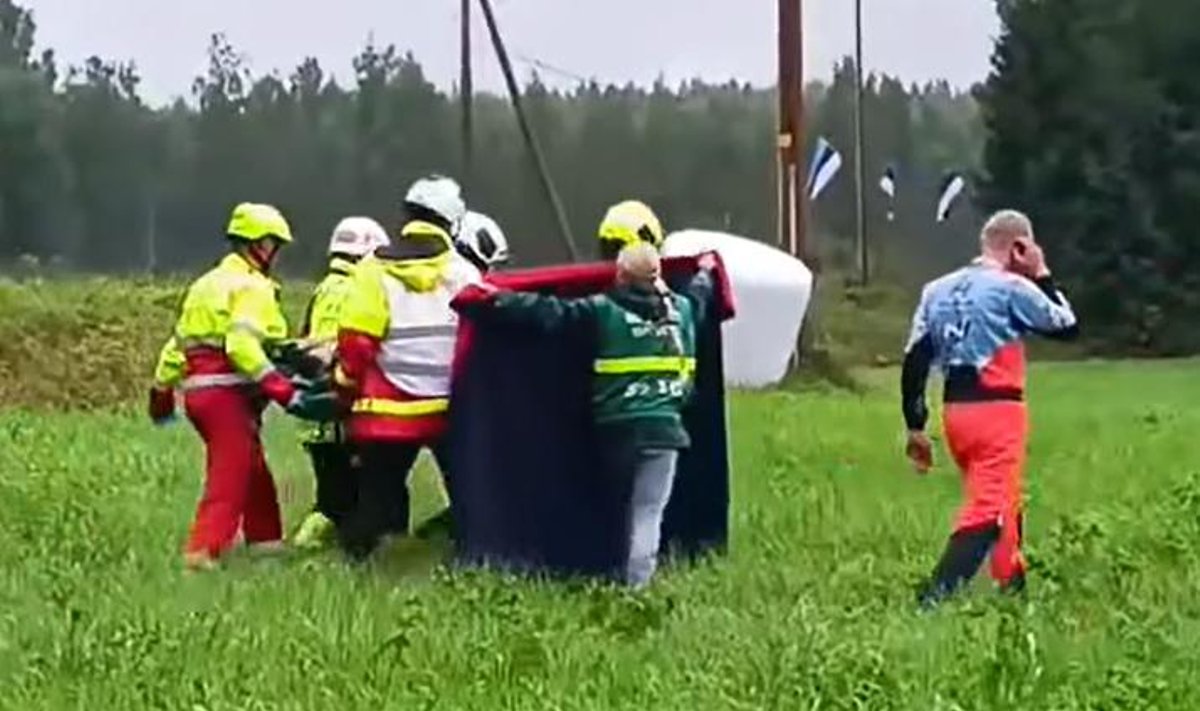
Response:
column 1090, row 121
column 92, row 178
column 1093, row 122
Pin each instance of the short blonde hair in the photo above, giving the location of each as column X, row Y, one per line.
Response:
column 639, row 264
column 1005, row 227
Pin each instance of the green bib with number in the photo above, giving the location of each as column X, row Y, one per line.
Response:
column 644, row 368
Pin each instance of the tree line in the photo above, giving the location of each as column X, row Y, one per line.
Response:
column 1093, row 118
column 95, row 179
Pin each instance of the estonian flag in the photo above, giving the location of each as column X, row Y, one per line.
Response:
column 887, row 184
column 825, row 165
column 952, row 187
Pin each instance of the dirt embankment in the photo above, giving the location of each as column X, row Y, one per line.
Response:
column 86, row 343
column 82, row 343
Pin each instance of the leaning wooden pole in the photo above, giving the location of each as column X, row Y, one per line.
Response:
column 466, row 88
column 535, row 149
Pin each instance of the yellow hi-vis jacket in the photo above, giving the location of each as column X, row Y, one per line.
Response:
column 397, row 340
column 234, row 309
column 321, row 325
column 324, row 310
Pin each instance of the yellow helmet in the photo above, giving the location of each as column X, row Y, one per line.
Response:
column 253, row 222
column 631, row 222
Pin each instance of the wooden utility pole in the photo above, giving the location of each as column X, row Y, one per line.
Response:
column 793, row 232
column 792, row 224
column 466, row 90
column 860, row 181
column 514, row 93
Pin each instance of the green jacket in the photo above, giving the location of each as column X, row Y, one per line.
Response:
column 646, row 354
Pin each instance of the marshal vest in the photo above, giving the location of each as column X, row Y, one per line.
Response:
column 416, row 355
column 644, row 368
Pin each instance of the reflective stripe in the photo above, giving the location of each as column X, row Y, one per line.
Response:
column 215, row 380
column 400, row 367
column 648, row 364
column 410, row 408
column 189, row 343
column 439, row 331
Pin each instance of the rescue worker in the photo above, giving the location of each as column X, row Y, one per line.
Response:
column 642, row 377
column 481, row 242
column 218, row 358
column 971, row 323
column 332, row 457
column 627, row 223
column 436, row 200
column 396, row 342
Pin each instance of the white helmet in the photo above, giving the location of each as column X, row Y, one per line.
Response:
column 357, row 237
column 482, row 240
column 441, row 196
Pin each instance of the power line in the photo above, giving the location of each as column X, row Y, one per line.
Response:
column 548, row 67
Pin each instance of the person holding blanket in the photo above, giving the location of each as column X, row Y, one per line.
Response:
column 642, row 376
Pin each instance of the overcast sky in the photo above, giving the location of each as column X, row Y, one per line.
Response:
column 612, row 40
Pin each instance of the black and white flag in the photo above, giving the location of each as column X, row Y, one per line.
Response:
column 825, row 165
column 887, row 184
column 952, row 187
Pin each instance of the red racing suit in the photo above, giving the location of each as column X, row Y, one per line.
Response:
column 971, row 323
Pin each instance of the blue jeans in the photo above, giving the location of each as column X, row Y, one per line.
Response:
column 654, row 474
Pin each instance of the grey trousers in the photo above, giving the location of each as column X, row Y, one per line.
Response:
column 654, row 475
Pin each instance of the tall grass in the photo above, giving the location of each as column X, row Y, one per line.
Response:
column 811, row 609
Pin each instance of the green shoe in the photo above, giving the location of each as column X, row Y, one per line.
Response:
column 316, row 532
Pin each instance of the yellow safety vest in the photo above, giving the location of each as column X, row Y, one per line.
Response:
column 324, row 311
column 406, row 305
column 321, row 324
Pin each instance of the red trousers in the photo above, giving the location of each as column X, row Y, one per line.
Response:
column 238, row 489
column 987, row 440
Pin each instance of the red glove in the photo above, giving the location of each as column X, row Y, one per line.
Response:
column 278, row 388
column 162, row 404
column 475, row 295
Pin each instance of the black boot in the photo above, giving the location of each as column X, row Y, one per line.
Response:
column 964, row 554
column 440, row 526
column 1014, row 585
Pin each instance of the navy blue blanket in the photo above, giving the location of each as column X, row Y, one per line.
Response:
column 527, row 489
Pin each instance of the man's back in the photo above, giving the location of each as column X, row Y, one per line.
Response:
column 971, row 323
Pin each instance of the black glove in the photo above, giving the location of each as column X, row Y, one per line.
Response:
column 314, row 406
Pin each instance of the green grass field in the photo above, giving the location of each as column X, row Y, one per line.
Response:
column 811, row 609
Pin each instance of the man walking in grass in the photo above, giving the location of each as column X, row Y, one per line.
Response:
column 971, row 324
